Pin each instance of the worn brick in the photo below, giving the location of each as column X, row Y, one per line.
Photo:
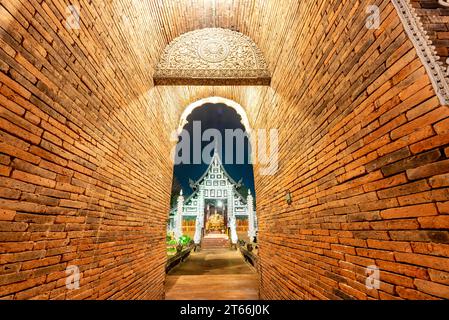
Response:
column 7, row 215
column 432, row 288
column 440, row 222
column 436, row 249
column 431, row 143
column 389, row 245
column 423, row 260
column 426, row 236
column 409, row 212
column 443, row 207
column 439, row 276
column 412, row 294
column 412, row 162
column 404, row 190
column 428, row 170
column 31, row 178
column 440, row 181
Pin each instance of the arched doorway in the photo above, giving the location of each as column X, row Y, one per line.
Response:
column 213, row 162
column 213, row 196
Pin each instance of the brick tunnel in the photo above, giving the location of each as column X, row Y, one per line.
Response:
column 363, row 120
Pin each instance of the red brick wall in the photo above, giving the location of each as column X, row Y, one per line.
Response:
column 81, row 182
column 365, row 154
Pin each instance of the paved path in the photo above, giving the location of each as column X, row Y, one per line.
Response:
column 213, row 275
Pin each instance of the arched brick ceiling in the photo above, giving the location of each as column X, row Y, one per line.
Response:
column 150, row 26
column 154, row 24
column 140, row 30
column 363, row 140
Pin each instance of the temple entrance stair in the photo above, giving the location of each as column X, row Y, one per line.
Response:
column 215, row 241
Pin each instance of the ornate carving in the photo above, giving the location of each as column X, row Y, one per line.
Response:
column 426, row 52
column 214, row 50
column 212, row 56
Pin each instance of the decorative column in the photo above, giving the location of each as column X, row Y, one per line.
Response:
column 251, row 220
column 178, row 218
column 231, row 215
column 199, row 225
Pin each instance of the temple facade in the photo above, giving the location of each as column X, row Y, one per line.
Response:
column 215, row 205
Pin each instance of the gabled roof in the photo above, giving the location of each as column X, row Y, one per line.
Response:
column 216, row 157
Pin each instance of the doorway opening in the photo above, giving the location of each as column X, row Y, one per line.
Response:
column 213, row 177
column 213, row 219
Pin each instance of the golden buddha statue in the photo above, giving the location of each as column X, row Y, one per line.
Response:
column 215, row 223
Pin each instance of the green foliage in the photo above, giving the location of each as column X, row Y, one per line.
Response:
column 185, row 240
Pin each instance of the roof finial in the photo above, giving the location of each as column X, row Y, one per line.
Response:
column 180, row 193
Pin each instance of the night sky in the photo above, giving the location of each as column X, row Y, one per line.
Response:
column 220, row 117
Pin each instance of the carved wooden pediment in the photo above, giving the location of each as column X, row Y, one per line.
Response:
column 212, row 56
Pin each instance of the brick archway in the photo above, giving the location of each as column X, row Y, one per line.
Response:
column 215, row 100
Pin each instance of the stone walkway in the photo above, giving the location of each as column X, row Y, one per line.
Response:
column 219, row 274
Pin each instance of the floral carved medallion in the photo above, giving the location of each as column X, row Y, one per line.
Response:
column 213, row 50
column 212, row 57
